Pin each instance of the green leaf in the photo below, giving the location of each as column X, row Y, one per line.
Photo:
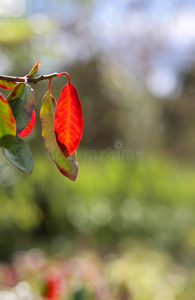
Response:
column 67, row 166
column 7, row 124
column 34, row 70
column 20, row 156
column 79, row 294
column 22, row 101
column 7, row 85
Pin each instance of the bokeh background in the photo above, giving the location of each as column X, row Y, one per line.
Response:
column 126, row 228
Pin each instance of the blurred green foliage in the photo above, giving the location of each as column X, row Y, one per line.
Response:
column 112, row 201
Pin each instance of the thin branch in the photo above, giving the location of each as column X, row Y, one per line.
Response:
column 12, row 78
column 32, row 80
column 41, row 77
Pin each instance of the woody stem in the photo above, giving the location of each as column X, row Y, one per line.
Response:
column 30, row 80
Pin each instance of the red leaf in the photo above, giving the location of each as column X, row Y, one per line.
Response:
column 29, row 126
column 53, row 287
column 7, row 85
column 68, row 124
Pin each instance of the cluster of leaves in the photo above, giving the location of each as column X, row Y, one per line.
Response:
column 62, row 123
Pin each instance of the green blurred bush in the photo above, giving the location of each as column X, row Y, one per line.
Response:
column 112, row 201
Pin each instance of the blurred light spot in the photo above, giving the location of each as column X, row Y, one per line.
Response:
column 9, row 296
column 162, row 82
column 12, row 8
column 182, row 27
column 101, row 213
column 34, row 259
column 131, row 210
column 79, row 216
column 40, row 23
column 23, row 290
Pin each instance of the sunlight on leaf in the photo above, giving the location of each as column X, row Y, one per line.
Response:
column 7, row 124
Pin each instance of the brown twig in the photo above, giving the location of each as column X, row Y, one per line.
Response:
column 26, row 79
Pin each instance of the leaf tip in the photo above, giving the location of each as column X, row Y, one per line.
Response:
column 34, row 69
